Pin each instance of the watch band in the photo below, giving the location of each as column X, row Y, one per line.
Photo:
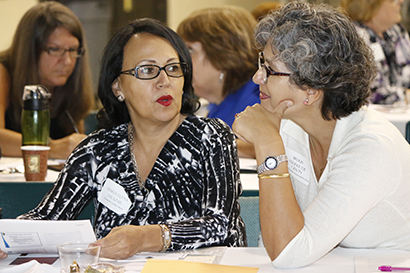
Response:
column 265, row 165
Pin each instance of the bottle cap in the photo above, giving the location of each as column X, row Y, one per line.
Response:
column 36, row 97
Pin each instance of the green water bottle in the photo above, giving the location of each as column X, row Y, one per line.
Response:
column 35, row 118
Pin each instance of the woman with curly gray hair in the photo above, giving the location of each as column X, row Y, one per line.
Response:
column 331, row 171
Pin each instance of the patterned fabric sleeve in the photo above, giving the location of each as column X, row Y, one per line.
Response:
column 392, row 56
column 219, row 223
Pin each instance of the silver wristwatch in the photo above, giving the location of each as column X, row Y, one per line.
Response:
column 271, row 162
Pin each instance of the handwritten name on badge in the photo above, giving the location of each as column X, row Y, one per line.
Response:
column 298, row 166
column 114, row 197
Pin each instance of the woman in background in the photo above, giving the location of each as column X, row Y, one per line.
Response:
column 224, row 58
column 48, row 49
column 261, row 10
column 378, row 22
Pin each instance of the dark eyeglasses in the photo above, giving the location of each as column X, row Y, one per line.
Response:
column 58, row 51
column 269, row 71
column 151, row 71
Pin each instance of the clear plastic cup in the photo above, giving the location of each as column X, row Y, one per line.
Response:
column 80, row 253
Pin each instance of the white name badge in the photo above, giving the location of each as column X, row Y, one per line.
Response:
column 114, row 197
column 298, row 166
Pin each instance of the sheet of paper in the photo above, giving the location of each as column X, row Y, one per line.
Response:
column 205, row 254
column 171, row 266
column 209, row 259
column 35, row 236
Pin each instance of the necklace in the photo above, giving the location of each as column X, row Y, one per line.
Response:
column 314, row 151
column 134, row 162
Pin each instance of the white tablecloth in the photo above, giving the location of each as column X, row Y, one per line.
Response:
column 13, row 162
column 340, row 260
column 399, row 116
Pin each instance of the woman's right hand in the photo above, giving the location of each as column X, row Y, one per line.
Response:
column 124, row 241
column 62, row 148
column 257, row 125
column 3, row 255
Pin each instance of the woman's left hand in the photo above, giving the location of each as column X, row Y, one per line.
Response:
column 125, row 241
column 258, row 125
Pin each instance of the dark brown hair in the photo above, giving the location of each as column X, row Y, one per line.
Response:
column 21, row 61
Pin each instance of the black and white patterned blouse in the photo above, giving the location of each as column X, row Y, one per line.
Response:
column 392, row 56
column 193, row 186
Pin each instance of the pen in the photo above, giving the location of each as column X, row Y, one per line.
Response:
column 387, row 268
column 72, row 121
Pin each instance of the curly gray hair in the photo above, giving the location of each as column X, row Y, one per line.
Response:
column 323, row 51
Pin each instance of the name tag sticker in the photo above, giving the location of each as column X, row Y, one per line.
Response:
column 114, row 197
column 298, row 166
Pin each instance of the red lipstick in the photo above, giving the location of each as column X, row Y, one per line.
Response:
column 165, row 100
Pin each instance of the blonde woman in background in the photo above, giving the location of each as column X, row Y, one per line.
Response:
column 261, row 10
column 378, row 22
column 224, row 59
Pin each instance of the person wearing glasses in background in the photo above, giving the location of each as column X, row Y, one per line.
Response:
column 48, row 48
column 161, row 178
column 332, row 172
column 378, row 22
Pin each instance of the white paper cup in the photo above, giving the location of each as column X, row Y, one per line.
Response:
column 80, row 252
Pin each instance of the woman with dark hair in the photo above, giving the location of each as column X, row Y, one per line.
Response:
column 161, row 178
column 331, row 171
column 48, row 49
column 223, row 53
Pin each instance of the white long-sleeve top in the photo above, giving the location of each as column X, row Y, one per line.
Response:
column 362, row 199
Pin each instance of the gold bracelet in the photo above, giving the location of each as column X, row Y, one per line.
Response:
column 265, row 176
column 166, row 237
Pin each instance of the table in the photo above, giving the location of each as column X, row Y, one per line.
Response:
column 17, row 162
column 399, row 116
column 15, row 202
column 340, row 260
column 248, row 173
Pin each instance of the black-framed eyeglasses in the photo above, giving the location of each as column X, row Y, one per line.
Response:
column 58, row 51
column 269, row 71
column 151, row 71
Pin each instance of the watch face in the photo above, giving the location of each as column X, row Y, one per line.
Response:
column 271, row 163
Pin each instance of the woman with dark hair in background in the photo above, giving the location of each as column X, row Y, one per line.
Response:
column 48, row 49
column 177, row 174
